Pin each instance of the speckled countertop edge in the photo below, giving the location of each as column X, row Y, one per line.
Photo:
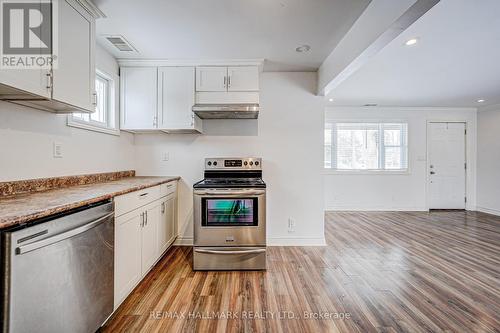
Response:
column 20, row 209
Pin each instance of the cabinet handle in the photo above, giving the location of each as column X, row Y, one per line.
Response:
column 143, row 194
column 95, row 99
column 142, row 220
column 146, row 217
column 162, row 207
column 225, row 80
column 49, row 80
column 229, row 81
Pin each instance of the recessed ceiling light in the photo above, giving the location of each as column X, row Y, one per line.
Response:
column 303, row 48
column 411, row 42
column 330, row 100
column 480, row 100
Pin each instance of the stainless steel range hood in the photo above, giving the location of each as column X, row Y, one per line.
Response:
column 226, row 111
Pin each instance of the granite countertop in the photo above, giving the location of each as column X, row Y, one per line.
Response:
column 22, row 208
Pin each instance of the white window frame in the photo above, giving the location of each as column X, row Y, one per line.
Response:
column 112, row 116
column 381, row 149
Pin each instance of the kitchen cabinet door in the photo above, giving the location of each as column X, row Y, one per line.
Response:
column 127, row 254
column 176, row 97
column 176, row 226
column 211, row 78
column 149, row 236
column 138, row 98
column 243, row 78
column 35, row 81
column 166, row 225
column 74, row 76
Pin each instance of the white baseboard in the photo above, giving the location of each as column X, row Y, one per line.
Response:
column 180, row 241
column 488, row 210
column 183, row 241
column 296, row 241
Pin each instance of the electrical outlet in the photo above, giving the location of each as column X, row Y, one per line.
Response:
column 57, row 150
column 165, row 156
column 291, row 225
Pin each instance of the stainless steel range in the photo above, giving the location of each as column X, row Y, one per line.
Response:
column 230, row 216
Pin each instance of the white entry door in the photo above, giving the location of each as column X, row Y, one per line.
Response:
column 447, row 165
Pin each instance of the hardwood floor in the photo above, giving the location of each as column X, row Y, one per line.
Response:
column 384, row 272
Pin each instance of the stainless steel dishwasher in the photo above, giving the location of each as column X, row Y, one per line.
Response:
column 57, row 274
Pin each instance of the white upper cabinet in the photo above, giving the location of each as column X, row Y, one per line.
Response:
column 159, row 99
column 34, row 81
column 176, row 98
column 74, row 77
column 68, row 86
column 227, row 79
column 138, row 98
column 243, row 78
column 211, row 78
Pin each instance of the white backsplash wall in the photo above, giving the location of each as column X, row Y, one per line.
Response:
column 488, row 160
column 406, row 192
column 288, row 136
column 27, row 137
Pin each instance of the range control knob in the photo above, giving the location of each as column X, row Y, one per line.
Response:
column 251, row 163
column 215, row 162
column 256, row 162
column 209, row 163
column 245, row 163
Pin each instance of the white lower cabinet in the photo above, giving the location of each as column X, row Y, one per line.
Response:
column 150, row 224
column 167, row 228
column 128, row 245
column 144, row 230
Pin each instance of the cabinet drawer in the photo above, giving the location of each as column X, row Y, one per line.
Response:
column 128, row 202
column 168, row 188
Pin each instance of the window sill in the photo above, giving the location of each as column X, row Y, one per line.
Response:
column 90, row 127
column 366, row 172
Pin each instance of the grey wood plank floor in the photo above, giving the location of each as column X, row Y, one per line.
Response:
column 380, row 272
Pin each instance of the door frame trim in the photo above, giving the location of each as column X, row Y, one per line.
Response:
column 467, row 171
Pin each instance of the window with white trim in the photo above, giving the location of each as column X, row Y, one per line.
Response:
column 104, row 119
column 366, row 146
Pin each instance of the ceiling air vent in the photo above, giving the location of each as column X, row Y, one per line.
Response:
column 120, row 43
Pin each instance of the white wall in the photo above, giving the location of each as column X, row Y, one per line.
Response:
column 402, row 191
column 488, row 160
column 287, row 135
column 27, row 137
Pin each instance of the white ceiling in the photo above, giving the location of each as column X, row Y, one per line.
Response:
column 455, row 63
column 231, row 29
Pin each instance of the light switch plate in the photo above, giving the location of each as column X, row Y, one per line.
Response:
column 58, row 150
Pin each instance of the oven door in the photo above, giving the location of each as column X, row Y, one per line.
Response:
column 230, row 217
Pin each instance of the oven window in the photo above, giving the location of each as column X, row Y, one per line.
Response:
column 230, row 212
